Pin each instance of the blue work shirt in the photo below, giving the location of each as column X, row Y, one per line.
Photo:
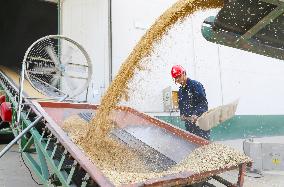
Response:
column 192, row 99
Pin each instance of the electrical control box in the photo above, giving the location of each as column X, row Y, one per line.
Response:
column 266, row 156
column 170, row 99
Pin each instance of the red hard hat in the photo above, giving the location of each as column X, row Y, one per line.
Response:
column 177, row 70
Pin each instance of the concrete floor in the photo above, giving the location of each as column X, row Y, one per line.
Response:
column 252, row 180
column 13, row 172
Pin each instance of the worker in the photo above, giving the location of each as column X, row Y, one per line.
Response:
column 192, row 101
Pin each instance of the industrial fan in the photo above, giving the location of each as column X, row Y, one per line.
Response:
column 56, row 66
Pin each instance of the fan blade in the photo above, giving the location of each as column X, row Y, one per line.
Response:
column 70, row 82
column 50, row 51
column 55, row 80
column 67, row 57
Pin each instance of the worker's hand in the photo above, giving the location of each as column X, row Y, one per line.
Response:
column 188, row 118
column 183, row 118
column 194, row 118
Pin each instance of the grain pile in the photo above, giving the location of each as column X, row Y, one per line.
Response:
column 123, row 166
column 207, row 158
column 107, row 154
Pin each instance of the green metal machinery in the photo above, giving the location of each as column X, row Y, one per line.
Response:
column 47, row 157
column 251, row 25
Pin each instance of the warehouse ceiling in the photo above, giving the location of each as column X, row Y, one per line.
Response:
column 21, row 23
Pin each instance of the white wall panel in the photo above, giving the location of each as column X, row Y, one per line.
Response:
column 181, row 45
column 130, row 20
column 86, row 21
column 257, row 80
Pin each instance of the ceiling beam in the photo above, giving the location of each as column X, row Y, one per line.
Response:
column 279, row 10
